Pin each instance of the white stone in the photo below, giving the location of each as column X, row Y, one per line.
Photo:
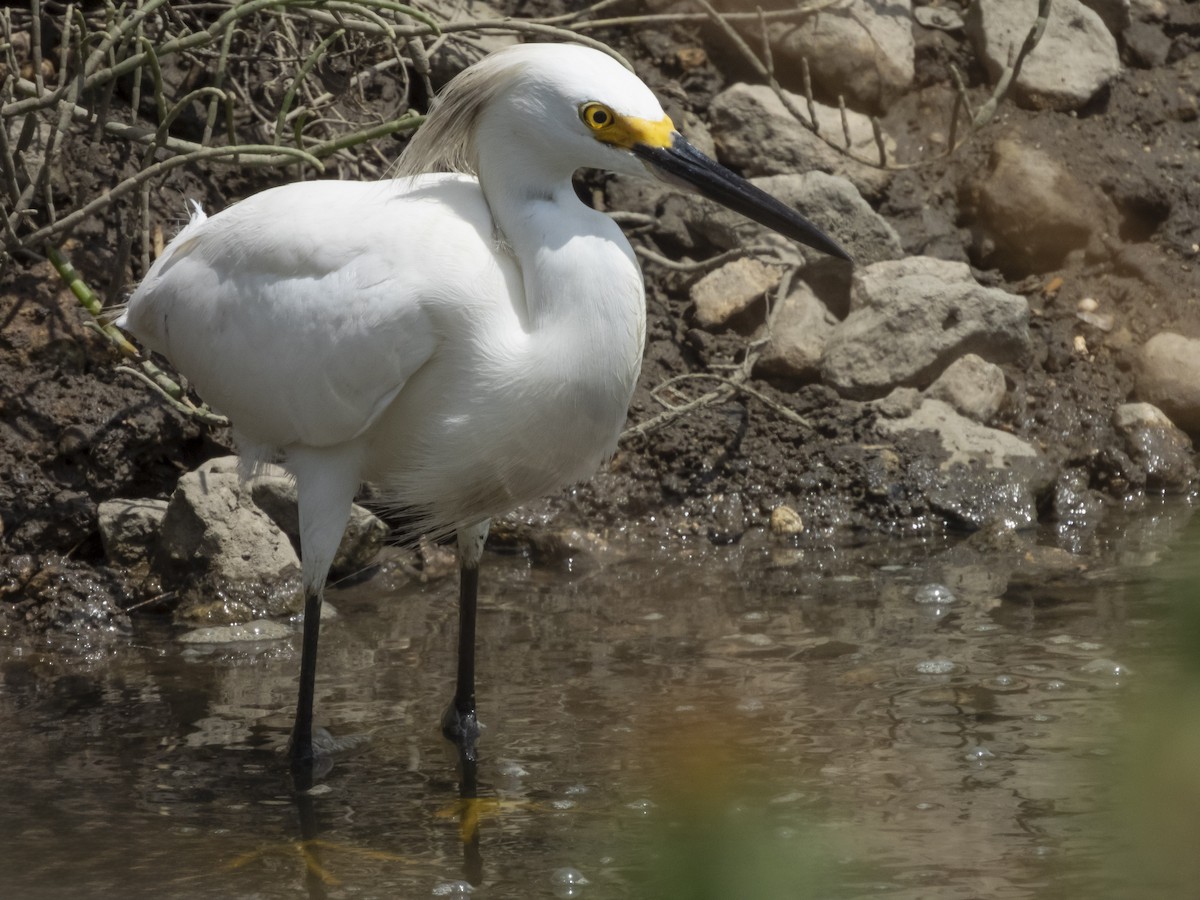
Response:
column 1076, row 57
column 863, row 50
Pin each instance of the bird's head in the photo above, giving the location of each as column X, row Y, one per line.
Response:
column 570, row 107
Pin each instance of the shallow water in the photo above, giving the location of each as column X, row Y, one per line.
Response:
column 906, row 719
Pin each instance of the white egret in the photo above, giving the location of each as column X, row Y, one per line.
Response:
column 465, row 336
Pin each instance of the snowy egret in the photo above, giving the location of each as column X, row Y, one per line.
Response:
column 465, row 336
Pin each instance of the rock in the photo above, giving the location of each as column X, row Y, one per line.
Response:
column 216, row 543
column 909, row 319
column 943, row 18
column 799, row 330
column 1168, row 375
column 574, row 549
column 973, row 386
column 1162, row 451
column 964, row 441
column 258, row 630
column 129, row 528
column 901, row 402
column 861, row 50
column 1115, row 14
column 988, row 478
column 785, row 520
column 1076, row 57
column 1147, row 45
column 755, row 132
column 827, row 200
column 727, row 292
column 1027, row 211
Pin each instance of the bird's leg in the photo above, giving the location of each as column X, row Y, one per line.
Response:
column 326, row 481
column 459, row 723
column 303, row 758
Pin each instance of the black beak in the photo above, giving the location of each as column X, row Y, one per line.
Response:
column 683, row 165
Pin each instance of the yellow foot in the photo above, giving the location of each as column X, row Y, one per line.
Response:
column 471, row 811
column 310, row 853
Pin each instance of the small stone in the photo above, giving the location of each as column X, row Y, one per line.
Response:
column 731, row 290
column 129, row 528
column 1168, row 375
column 800, row 328
column 973, row 386
column 785, row 520
column 1027, row 212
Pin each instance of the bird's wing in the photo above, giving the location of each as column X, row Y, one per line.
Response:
column 301, row 312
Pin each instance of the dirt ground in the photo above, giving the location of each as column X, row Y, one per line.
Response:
column 74, row 432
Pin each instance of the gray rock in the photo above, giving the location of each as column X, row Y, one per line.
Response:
column 799, row 331
column 909, row 319
column 901, row 402
column 1162, row 451
column 755, row 132
column 973, row 386
column 1075, row 59
column 258, row 630
column 1168, row 375
column 211, row 526
column 965, row 442
column 1147, row 44
column 862, row 50
column 986, row 479
column 1027, row 211
column 129, row 528
column 728, row 291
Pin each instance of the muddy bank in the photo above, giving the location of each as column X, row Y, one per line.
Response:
column 1119, row 264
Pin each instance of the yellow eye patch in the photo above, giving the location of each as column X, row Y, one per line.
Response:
column 626, row 131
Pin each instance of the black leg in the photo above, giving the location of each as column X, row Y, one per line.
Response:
column 459, row 723
column 303, row 758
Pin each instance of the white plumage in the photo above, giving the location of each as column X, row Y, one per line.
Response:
column 467, row 340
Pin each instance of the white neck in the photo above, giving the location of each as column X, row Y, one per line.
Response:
column 580, row 274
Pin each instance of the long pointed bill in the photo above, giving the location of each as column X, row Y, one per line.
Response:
column 683, row 165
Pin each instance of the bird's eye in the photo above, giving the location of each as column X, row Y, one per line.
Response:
column 596, row 115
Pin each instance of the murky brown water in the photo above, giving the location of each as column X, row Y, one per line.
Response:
column 902, row 720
